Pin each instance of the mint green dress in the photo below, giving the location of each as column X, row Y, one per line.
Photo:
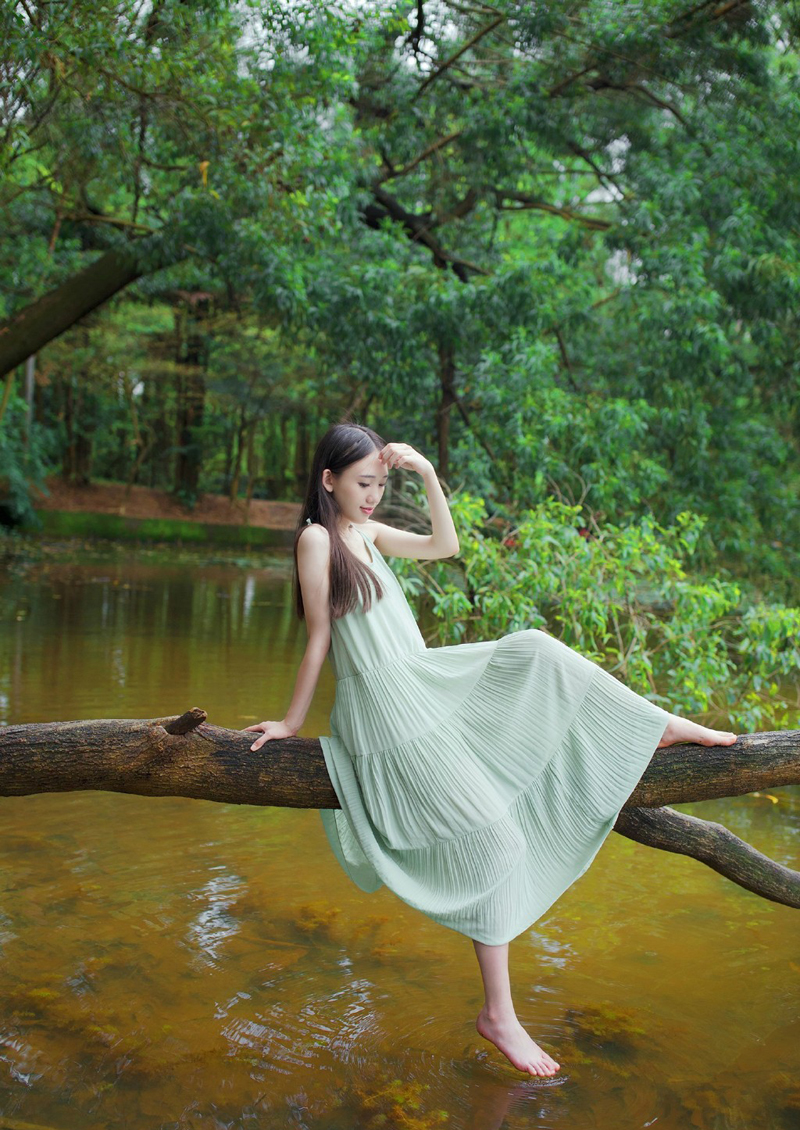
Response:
column 477, row 781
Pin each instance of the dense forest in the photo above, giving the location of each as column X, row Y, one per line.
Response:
column 554, row 246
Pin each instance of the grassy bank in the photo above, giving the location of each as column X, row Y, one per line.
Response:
column 80, row 524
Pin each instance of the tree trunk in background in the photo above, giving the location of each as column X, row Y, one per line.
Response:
column 157, row 470
column 142, row 444
column 30, row 377
column 7, row 386
column 83, row 455
column 76, row 464
column 68, row 454
column 227, row 473
column 274, row 456
column 252, row 464
column 301, row 453
column 283, row 462
column 267, row 442
column 237, row 463
column 179, row 315
column 192, row 399
column 84, row 415
column 447, row 377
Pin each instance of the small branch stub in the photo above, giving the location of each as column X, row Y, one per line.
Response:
column 187, row 722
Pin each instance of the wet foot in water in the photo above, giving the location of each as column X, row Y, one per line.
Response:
column 683, row 730
column 509, row 1037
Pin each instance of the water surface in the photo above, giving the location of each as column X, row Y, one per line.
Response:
column 167, row 962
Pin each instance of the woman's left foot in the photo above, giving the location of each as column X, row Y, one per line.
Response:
column 684, row 730
column 510, row 1038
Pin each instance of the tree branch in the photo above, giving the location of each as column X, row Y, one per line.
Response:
column 32, row 327
column 432, row 148
column 183, row 755
column 603, row 177
column 716, row 846
column 454, row 58
column 419, row 230
column 524, row 203
column 565, row 358
column 416, row 33
column 556, row 327
column 719, row 13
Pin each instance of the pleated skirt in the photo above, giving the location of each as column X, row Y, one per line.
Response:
column 479, row 781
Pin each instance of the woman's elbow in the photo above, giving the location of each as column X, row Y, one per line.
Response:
column 319, row 641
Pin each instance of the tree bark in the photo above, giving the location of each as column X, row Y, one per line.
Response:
column 193, row 360
column 236, row 479
column 252, row 466
column 6, row 393
column 30, row 378
column 302, row 455
column 140, row 443
column 31, row 328
column 183, row 755
column 68, row 454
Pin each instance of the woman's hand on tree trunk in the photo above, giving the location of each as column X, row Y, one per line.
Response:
column 270, row 730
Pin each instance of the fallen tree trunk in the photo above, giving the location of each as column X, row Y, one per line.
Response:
column 183, row 755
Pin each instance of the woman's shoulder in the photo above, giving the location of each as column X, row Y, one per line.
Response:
column 313, row 534
column 370, row 528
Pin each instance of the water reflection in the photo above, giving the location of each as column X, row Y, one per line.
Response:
column 212, row 926
column 135, row 633
column 166, row 962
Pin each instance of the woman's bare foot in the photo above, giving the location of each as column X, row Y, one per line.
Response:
column 684, row 730
column 509, row 1037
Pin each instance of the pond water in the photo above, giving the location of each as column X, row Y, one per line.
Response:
column 167, row 962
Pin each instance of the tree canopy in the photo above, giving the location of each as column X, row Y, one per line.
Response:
column 554, row 246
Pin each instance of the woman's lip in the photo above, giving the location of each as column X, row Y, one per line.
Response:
column 367, row 509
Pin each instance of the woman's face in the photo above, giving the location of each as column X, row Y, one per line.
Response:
column 359, row 488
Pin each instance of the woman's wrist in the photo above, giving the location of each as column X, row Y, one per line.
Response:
column 291, row 726
column 429, row 471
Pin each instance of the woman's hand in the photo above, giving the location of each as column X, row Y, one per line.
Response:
column 270, row 730
column 402, row 455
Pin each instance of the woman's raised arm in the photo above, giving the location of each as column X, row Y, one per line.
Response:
column 443, row 540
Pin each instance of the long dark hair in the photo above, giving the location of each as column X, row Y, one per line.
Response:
column 341, row 445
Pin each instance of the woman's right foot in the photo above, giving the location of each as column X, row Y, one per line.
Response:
column 510, row 1038
column 684, row 730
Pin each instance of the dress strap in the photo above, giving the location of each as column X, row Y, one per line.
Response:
column 370, row 543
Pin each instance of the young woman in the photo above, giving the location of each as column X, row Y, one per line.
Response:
column 477, row 781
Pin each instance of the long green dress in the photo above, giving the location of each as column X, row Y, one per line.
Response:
column 477, row 781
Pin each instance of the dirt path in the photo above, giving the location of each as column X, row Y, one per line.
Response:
column 144, row 502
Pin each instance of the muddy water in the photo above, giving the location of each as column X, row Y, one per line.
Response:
column 167, row 962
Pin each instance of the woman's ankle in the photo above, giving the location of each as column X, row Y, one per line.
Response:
column 499, row 1013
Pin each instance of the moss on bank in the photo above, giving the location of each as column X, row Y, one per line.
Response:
column 81, row 524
